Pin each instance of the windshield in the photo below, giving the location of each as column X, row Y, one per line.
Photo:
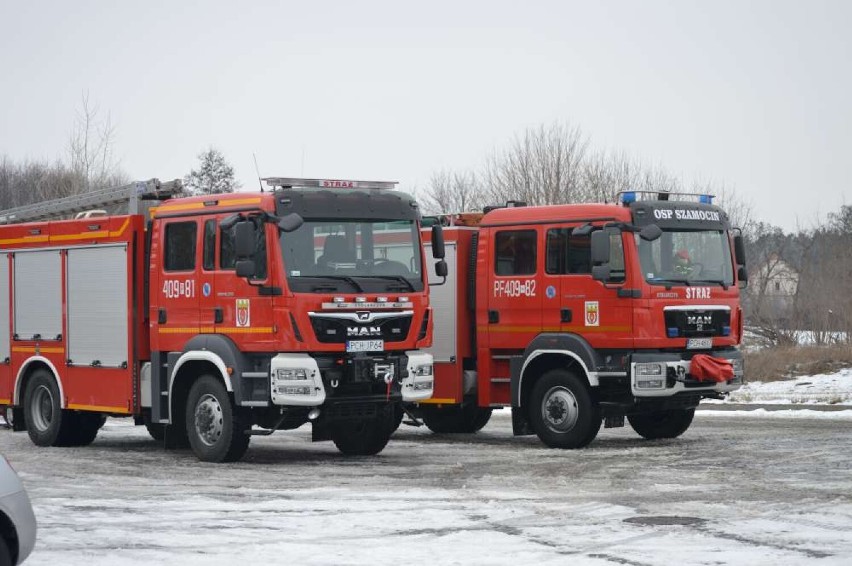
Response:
column 353, row 256
column 687, row 257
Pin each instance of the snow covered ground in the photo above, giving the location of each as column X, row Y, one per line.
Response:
column 825, row 389
column 734, row 490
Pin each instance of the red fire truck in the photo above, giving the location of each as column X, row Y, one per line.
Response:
column 213, row 318
column 582, row 314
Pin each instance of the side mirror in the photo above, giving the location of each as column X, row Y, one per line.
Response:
column 441, row 269
column 739, row 250
column 601, row 273
column 245, row 268
column 291, row 222
column 742, row 275
column 650, row 232
column 244, row 239
column 600, row 247
column 438, row 248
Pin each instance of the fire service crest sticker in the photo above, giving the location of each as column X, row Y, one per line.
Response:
column 244, row 312
column 592, row 314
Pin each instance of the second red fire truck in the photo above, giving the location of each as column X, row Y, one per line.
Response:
column 582, row 314
column 213, row 318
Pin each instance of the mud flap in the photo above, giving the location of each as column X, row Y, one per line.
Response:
column 520, row 424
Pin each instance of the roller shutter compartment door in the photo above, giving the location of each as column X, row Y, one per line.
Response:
column 38, row 295
column 97, row 306
column 4, row 307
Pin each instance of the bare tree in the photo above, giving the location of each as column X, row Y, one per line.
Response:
column 541, row 166
column 449, row 192
column 90, row 148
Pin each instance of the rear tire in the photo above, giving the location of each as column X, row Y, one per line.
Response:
column 156, row 430
column 562, row 411
column 85, row 427
column 662, row 424
column 216, row 429
column 47, row 423
column 465, row 419
column 365, row 438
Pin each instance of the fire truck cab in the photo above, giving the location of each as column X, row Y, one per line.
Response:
column 219, row 317
column 582, row 314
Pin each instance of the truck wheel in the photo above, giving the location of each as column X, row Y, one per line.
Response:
column 562, row 411
column 364, row 438
column 47, row 423
column 5, row 554
column 662, row 424
column 84, row 427
column 215, row 428
column 457, row 420
column 156, row 430
column 398, row 415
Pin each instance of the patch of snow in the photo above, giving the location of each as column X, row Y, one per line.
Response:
column 802, row 414
column 832, row 389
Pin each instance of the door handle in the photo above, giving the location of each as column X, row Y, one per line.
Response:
column 493, row 317
column 162, row 317
column 565, row 315
column 218, row 315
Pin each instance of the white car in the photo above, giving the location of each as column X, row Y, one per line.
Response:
column 17, row 521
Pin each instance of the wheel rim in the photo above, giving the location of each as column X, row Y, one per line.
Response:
column 209, row 420
column 559, row 409
column 41, row 407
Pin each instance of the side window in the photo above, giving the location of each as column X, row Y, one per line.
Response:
column 209, row 245
column 180, row 246
column 515, row 252
column 227, row 255
column 616, row 257
column 567, row 253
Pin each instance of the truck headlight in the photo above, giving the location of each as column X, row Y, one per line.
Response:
column 422, row 385
column 423, row 370
column 649, row 375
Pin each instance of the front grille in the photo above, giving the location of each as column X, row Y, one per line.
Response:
column 337, row 330
column 697, row 323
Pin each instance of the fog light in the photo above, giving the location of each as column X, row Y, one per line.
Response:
column 424, row 370
column 422, row 385
column 650, row 384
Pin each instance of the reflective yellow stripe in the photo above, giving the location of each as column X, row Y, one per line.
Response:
column 99, row 408
column 5, row 401
column 437, row 402
column 33, row 349
column 197, row 205
column 25, row 240
column 221, row 330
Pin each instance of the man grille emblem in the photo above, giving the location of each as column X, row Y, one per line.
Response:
column 363, row 315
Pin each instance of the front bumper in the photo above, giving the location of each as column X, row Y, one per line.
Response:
column 675, row 378
column 298, row 380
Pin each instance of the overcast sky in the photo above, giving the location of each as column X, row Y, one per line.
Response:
column 757, row 95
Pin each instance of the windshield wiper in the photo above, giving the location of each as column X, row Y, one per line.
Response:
column 399, row 278
column 724, row 284
column 346, row 278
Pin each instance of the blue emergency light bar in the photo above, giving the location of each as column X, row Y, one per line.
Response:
column 627, row 197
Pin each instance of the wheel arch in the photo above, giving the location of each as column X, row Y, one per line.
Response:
column 552, row 351
column 189, row 366
column 26, row 371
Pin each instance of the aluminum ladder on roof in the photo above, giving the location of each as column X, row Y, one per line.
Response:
column 130, row 195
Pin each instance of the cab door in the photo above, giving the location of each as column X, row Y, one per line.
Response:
column 244, row 307
column 514, row 297
column 175, row 283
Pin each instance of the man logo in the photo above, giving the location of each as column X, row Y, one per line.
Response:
column 363, row 316
column 363, row 331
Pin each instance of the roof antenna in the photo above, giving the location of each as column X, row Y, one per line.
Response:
column 256, row 168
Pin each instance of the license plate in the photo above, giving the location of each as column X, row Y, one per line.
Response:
column 365, row 345
column 699, row 343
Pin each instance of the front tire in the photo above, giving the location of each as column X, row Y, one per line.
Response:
column 662, row 424
column 47, row 423
column 562, row 411
column 5, row 554
column 85, row 427
column 365, row 438
column 216, row 429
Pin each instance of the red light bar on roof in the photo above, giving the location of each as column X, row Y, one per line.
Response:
column 293, row 182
